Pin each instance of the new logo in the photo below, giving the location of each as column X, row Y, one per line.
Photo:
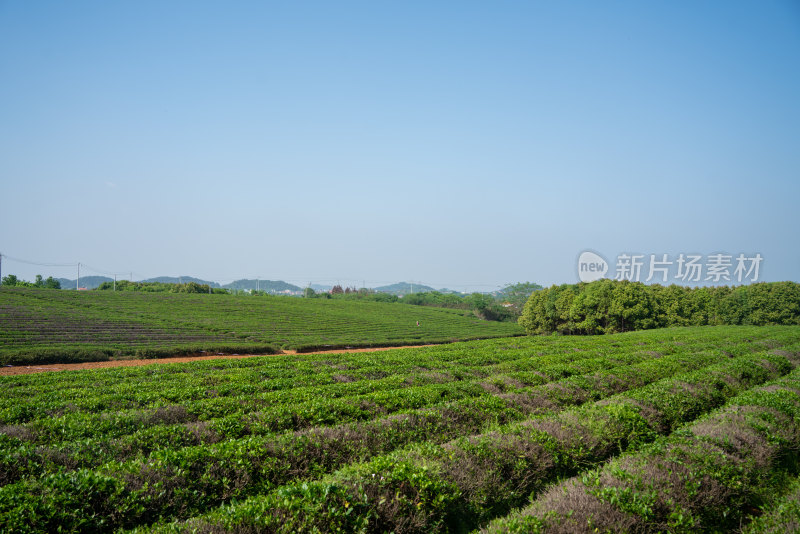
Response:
column 591, row 266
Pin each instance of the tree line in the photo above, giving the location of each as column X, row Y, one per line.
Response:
column 505, row 305
column 159, row 287
column 610, row 306
column 48, row 283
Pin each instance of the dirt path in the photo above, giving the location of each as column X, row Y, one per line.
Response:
column 29, row 369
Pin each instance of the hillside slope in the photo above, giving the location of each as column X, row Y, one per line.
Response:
column 39, row 325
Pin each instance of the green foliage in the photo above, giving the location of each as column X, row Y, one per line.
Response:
column 609, row 306
column 708, row 476
column 483, row 305
column 158, row 287
column 12, row 281
column 506, row 305
column 435, row 298
column 52, row 326
column 782, row 515
column 434, row 439
column 476, row 478
column 50, row 283
column 518, row 294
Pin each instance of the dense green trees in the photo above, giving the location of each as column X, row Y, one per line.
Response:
column 49, row 283
column 159, row 287
column 483, row 305
column 12, row 281
column 608, row 306
column 435, row 298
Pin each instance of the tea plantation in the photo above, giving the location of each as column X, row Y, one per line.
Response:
column 41, row 325
column 681, row 430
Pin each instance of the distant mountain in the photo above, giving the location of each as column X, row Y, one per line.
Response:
column 403, row 288
column 180, row 280
column 89, row 282
column 518, row 290
column 270, row 286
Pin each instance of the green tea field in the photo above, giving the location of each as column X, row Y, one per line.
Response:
column 679, row 429
column 41, row 326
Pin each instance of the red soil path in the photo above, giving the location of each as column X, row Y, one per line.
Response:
column 28, row 369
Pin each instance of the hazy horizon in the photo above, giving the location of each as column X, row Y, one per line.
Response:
column 461, row 145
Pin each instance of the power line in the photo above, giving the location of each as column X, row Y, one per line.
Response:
column 100, row 271
column 28, row 262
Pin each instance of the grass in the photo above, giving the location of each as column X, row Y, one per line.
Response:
column 52, row 326
column 447, row 438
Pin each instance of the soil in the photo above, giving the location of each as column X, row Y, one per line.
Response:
column 29, row 369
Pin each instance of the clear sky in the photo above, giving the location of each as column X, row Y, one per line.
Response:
column 462, row 144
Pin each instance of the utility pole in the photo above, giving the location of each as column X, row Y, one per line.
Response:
column 115, row 281
column 1, row 269
column 78, row 281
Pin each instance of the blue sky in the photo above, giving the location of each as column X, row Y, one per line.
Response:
column 459, row 144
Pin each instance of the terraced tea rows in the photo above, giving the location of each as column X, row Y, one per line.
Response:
column 706, row 476
column 40, row 326
column 439, row 439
